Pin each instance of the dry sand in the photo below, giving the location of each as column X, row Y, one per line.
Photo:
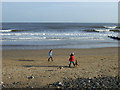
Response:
column 30, row 68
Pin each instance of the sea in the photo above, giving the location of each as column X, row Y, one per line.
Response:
column 58, row 35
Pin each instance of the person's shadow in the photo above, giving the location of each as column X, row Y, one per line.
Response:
column 45, row 66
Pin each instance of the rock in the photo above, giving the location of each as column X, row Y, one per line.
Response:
column 30, row 77
column 58, row 87
column 61, row 67
column 14, row 83
column 2, row 82
column 89, row 81
column 29, row 87
column 114, row 37
column 102, row 59
column 3, row 85
column 96, row 82
column 60, row 84
column 9, row 77
column 89, row 77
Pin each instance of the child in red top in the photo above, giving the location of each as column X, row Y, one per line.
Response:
column 71, row 59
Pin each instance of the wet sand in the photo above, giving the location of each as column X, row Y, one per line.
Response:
column 31, row 69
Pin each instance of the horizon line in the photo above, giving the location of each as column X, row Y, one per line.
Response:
column 59, row 1
column 59, row 22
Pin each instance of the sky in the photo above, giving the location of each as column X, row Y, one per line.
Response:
column 83, row 12
column 60, row 0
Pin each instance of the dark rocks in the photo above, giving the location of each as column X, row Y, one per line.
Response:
column 28, row 87
column 14, row 83
column 30, row 77
column 113, row 37
column 115, row 30
column 2, row 85
column 58, row 84
column 101, row 82
column 90, row 83
column 61, row 67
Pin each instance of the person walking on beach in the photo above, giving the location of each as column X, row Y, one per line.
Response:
column 50, row 55
column 71, row 59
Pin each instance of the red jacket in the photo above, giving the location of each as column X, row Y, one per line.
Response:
column 71, row 58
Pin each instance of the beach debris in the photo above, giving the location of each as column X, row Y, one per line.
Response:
column 58, row 87
column 30, row 77
column 15, row 83
column 2, row 82
column 3, row 85
column 9, row 77
column 57, row 84
column 60, row 84
column 89, row 81
column 61, row 67
column 29, row 87
column 102, row 59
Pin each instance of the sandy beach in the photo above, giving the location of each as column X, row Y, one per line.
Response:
column 31, row 69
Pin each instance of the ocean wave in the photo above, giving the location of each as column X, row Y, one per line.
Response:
column 97, row 27
column 114, row 37
column 5, row 30
column 102, row 30
column 110, row 27
column 41, row 34
column 51, row 38
column 97, row 30
column 12, row 30
column 118, row 27
column 115, row 30
column 106, row 27
column 24, row 38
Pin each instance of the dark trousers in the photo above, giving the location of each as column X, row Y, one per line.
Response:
column 50, row 58
column 71, row 62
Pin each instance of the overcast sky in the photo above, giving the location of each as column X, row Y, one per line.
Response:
column 105, row 12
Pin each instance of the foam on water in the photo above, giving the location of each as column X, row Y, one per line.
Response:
column 110, row 27
column 5, row 30
column 102, row 30
column 62, row 35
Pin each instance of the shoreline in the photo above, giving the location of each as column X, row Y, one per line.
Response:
column 56, row 48
column 30, row 68
column 82, row 45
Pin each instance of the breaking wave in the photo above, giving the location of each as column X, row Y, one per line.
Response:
column 102, row 30
column 110, row 27
column 12, row 30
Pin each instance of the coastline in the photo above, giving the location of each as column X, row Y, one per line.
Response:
column 19, row 65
